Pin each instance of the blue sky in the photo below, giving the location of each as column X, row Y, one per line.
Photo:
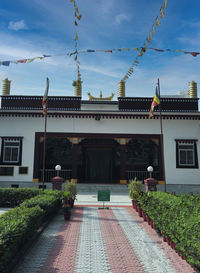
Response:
column 33, row 28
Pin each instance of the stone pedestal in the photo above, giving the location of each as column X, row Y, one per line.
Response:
column 150, row 184
column 57, row 183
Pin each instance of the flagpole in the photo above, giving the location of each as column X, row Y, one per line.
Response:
column 44, row 105
column 161, row 132
column 44, row 149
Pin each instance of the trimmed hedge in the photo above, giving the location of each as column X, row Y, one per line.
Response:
column 177, row 217
column 19, row 225
column 12, row 197
column 49, row 203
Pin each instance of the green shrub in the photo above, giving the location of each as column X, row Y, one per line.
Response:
column 71, row 187
column 178, row 217
column 49, row 203
column 135, row 189
column 17, row 226
column 12, row 197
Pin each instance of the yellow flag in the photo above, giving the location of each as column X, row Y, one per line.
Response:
column 78, row 16
column 145, row 46
column 157, row 21
column 150, row 36
column 75, row 58
column 76, row 8
column 71, row 1
column 76, row 38
column 153, row 29
column 162, row 14
column 165, row 4
column 148, row 41
column 141, row 53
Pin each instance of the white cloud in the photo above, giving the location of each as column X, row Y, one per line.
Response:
column 18, row 25
column 122, row 17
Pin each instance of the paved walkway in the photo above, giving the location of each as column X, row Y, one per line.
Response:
column 3, row 210
column 115, row 240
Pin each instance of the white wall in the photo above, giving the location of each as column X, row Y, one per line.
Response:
column 180, row 129
column 173, row 129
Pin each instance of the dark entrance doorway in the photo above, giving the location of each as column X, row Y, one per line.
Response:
column 99, row 165
column 100, row 161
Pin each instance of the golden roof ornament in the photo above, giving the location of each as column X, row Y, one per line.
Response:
column 100, row 97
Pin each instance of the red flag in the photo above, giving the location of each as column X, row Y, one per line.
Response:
column 45, row 97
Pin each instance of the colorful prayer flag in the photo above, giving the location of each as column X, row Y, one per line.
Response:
column 162, row 14
column 157, row 21
column 153, row 29
column 155, row 102
column 45, row 97
column 165, row 4
column 6, row 63
column 22, row 61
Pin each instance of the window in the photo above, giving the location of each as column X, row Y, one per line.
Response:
column 6, row 171
column 186, row 154
column 23, row 170
column 11, row 151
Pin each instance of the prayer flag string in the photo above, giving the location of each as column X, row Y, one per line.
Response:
column 148, row 39
column 77, row 17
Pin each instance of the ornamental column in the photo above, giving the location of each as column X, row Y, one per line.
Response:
column 75, row 142
column 123, row 178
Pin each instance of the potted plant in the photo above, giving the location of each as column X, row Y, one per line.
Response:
column 66, row 205
column 70, row 187
column 66, row 211
column 135, row 191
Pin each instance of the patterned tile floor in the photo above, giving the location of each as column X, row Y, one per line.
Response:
column 115, row 240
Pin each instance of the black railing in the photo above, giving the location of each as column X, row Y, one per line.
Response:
column 141, row 175
column 50, row 173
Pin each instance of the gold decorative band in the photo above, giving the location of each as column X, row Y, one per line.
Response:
column 123, row 181
column 35, row 180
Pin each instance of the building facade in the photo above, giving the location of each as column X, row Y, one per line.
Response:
column 99, row 141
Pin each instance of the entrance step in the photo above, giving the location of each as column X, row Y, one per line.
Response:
column 94, row 188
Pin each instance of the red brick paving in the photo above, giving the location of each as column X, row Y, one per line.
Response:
column 62, row 257
column 121, row 256
column 176, row 261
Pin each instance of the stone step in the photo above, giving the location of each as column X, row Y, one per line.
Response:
column 94, row 188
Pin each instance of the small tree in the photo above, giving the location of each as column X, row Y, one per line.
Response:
column 135, row 189
column 70, row 187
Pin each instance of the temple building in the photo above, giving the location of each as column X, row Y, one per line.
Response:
column 100, row 140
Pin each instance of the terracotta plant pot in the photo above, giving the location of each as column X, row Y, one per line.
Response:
column 67, row 215
column 133, row 204
column 144, row 216
column 165, row 238
column 139, row 211
column 148, row 220
column 71, row 202
column 173, row 245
